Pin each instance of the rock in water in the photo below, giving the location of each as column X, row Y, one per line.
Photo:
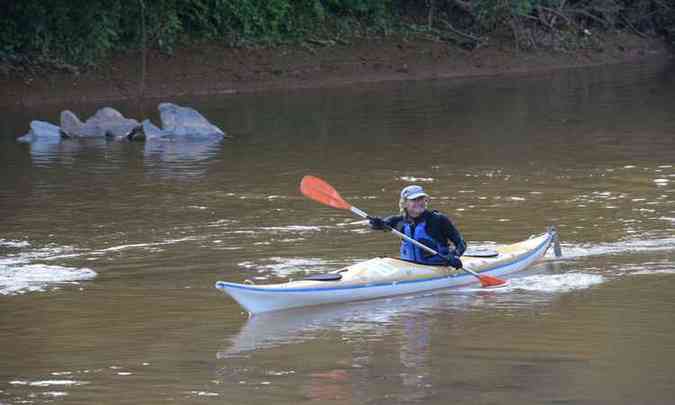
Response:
column 178, row 123
column 70, row 124
column 107, row 114
column 184, row 121
column 106, row 122
column 41, row 131
column 149, row 132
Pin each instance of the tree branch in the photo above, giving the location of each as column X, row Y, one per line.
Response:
column 460, row 33
column 635, row 30
column 558, row 13
column 591, row 16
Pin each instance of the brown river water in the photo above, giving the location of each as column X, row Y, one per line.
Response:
column 109, row 251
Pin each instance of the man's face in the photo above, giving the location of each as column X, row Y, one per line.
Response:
column 417, row 206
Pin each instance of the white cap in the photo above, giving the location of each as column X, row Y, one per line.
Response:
column 412, row 192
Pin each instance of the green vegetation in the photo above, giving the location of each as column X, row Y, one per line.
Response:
column 82, row 32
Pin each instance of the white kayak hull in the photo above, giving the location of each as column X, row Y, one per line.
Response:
column 384, row 277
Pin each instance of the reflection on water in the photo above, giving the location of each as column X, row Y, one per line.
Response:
column 401, row 343
column 376, row 318
column 182, row 150
column 371, row 319
column 162, row 158
column 54, row 151
column 109, row 250
column 180, row 158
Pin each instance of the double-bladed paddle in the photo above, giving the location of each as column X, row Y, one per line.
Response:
column 322, row 192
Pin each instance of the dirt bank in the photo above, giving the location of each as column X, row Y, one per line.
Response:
column 212, row 69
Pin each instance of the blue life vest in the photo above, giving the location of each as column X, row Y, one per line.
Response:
column 413, row 253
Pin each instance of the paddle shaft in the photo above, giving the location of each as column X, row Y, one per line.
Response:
column 401, row 235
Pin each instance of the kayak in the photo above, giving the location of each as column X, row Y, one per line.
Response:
column 384, row 277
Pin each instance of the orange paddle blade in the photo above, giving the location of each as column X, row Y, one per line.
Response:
column 489, row 281
column 320, row 191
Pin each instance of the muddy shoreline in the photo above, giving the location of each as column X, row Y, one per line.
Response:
column 214, row 70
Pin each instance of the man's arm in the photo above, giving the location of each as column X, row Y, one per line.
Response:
column 391, row 221
column 452, row 233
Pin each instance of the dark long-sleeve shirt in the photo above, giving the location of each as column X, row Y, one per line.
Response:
column 439, row 226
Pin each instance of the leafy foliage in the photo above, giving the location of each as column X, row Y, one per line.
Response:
column 82, row 32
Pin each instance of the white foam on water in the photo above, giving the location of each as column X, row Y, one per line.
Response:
column 124, row 247
column 14, row 243
column 552, row 283
column 222, row 223
column 665, row 266
column 46, row 253
column 21, row 272
column 205, row 394
column 39, row 277
column 626, row 246
column 292, row 228
column 48, row 383
column 55, row 394
column 361, row 231
column 18, row 382
column 149, row 246
column 349, row 222
column 417, row 179
column 287, row 266
column 651, row 272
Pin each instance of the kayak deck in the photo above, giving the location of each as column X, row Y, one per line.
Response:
column 384, row 277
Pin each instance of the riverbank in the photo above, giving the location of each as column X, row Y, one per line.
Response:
column 213, row 70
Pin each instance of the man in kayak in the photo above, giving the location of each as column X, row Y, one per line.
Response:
column 430, row 228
